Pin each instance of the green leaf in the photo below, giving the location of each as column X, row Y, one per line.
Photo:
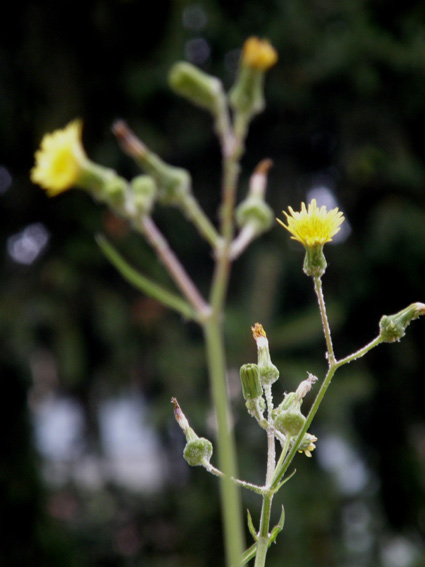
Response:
column 144, row 284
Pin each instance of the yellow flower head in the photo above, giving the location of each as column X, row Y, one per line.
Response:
column 59, row 161
column 258, row 54
column 313, row 226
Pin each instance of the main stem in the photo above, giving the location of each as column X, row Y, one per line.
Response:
column 230, row 495
column 213, row 331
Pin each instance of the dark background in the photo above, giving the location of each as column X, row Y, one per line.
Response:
column 345, row 112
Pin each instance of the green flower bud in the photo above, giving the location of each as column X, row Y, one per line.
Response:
column 114, row 190
column 174, row 183
column 144, row 190
column 250, row 380
column 289, row 422
column 198, row 451
column 198, row 87
column 393, row 327
column 256, row 212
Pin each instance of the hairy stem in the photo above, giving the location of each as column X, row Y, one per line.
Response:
column 326, row 329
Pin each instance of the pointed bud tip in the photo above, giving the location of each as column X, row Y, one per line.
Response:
column 264, row 166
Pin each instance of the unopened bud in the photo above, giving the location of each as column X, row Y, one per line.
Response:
column 198, row 452
column 256, row 212
column 393, row 327
column 113, row 191
column 288, row 418
column 251, row 383
column 174, row 183
column 198, row 87
column 289, row 422
column 144, row 191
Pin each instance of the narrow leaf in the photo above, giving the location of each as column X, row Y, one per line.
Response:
column 251, row 526
column 144, row 284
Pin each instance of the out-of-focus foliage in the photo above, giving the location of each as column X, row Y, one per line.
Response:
column 345, row 112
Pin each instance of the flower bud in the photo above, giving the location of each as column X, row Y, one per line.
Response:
column 198, row 87
column 144, row 191
column 256, row 212
column 393, row 327
column 174, row 183
column 113, row 191
column 289, row 422
column 268, row 371
column 288, row 418
column 198, row 452
column 251, row 383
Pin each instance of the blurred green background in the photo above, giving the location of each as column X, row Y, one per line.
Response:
column 91, row 468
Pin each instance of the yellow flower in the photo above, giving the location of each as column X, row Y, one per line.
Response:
column 60, row 159
column 258, row 54
column 313, row 226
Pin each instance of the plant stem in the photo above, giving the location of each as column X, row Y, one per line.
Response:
column 326, row 329
column 230, row 496
column 361, row 352
column 214, row 339
column 263, row 534
column 196, row 215
column 263, row 541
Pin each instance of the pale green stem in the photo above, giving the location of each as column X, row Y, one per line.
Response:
column 271, row 447
column 326, row 329
column 263, row 534
column 230, row 496
column 242, row 483
column 196, row 215
column 213, row 331
column 223, row 127
column 361, row 352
